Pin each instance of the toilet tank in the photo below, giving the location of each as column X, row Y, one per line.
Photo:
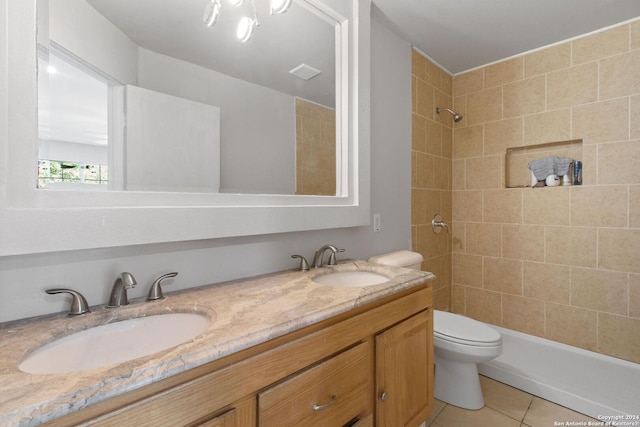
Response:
column 404, row 258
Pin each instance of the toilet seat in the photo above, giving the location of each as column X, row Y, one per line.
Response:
column 464, row 330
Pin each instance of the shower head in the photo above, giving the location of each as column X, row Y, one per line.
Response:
column 456, row 117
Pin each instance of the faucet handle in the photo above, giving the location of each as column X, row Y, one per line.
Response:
column 304, row 265
column 79, row 304
column 155, row 293
column 332, row 257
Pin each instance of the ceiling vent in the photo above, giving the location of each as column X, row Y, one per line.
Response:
column 305, row 72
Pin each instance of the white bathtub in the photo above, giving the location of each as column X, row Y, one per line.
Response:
column 587, row 382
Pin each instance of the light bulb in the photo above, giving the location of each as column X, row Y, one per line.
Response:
column 246, row 28
column 280, row 6
column 211, row 13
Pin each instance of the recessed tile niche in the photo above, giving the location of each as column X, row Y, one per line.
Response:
column 516, row 169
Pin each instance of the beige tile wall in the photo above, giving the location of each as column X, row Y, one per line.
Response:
column 559, row 262
column 431, row 171
column 315, row 149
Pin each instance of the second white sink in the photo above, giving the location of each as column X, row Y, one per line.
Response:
column 114, row 343
column 351, row 278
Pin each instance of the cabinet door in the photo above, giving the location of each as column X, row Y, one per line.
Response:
column 404, row 372
column 326, row 395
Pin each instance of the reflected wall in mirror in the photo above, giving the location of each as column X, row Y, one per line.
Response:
column 315, row 149
column 233, row 117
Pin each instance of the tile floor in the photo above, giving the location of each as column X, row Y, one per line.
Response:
column 505, row 406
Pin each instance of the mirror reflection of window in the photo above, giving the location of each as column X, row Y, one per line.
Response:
column 57, row 173
column 72, row 124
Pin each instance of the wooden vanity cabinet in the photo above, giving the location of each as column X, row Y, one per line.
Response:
column 404, row 372
column 331, row 373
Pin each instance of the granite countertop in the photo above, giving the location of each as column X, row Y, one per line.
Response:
column 244, row 313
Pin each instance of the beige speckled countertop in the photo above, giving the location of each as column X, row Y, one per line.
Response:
column 244, row 313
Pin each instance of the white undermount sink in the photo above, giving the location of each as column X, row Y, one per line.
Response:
column 115, row 342
column 354, row 279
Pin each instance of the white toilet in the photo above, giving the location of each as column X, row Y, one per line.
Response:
column 460, row 343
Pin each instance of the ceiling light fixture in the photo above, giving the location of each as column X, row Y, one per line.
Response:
column 280, row 6
column 247, row 26
column 211, row 13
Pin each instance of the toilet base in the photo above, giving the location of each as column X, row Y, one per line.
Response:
column 458, row 384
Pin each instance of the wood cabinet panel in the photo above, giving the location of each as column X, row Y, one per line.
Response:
column 329, row 394
column 403, row 372
column 365, row 422
column 242, row 414
column 362, row 422
column 228, row 419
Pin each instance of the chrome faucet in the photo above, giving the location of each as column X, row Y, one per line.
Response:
column 119, row 291
column 319, row 255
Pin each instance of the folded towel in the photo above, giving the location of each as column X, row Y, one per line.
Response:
column 551, row 165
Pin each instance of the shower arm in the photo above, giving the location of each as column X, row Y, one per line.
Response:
column 456, row 117
column 438, row 110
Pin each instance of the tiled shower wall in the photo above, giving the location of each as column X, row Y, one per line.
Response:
column 557, row 262
column 431, row 172
column 315, row 149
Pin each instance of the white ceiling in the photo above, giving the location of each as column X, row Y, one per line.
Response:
column 463, row 34
column 281, row 42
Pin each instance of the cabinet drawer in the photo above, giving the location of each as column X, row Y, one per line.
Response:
column 228, row 419
column 364, row 422
column 240, row 414
column 329, row 394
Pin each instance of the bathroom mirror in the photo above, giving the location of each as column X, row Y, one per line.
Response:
column 36, row 220
column 172, row 102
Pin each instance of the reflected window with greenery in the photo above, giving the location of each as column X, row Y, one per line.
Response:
column 56, row 171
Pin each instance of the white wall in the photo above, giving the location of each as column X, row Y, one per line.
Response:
column 258, row 124
column 170, row 143
column 87, row 34
column 92, row 272
column 390, row 137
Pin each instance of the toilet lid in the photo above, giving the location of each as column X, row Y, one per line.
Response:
column 457, row 328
